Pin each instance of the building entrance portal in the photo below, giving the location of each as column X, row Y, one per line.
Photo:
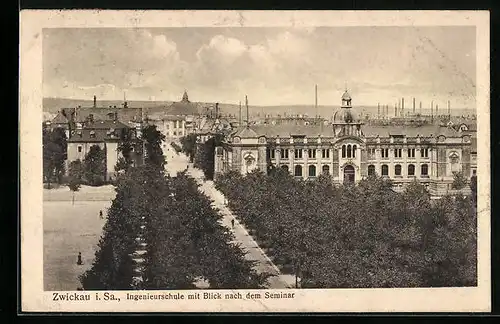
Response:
column 349, row 174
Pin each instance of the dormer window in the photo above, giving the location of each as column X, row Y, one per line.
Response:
column 92, row 134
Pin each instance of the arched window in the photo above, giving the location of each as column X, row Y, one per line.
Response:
column 349, row 151
column 371, row 170
column 411, row 170
column 354, row 151
column 397, row 170
column 326, row 169
column 312, row 171
column 298, row 171
column 385, row 170
column 424, row 170
column 343, row 151
column 285, row 167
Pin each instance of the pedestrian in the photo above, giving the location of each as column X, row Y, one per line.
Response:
column 232, row 222
column 79, row 260
column 100, row 214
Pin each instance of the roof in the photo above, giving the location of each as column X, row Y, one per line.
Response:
column 106, row 124
column 124, row 115
column 101, row 135
column 423, row 131
column 346, row 96
column 247, row 132
column 288, row 130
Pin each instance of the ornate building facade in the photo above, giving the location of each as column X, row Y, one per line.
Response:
column 349, row 151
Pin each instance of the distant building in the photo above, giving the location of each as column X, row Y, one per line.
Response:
column 174, row 121
column 106, row 134
column 349, row 151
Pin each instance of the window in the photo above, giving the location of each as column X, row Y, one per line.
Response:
column 397, row 153
column 349, row 152
column 411, row 170
column 325, row 153
column 273, row 153
column 326, row 169
column 385, row 153
column 371, row 170
column 312, row 171
column 312, row 153
column 424, row 152
column 79, row 149
column 411, row 153
column 298, row 171
column 397, row 170
column 354, row 148
column 285, row 167
column 371, row 153
column 284, row 154
column 298, row 153
column 343, row 151
column 385, row 170
column 424, row 170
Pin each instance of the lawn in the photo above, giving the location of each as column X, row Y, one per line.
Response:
column 67, row 230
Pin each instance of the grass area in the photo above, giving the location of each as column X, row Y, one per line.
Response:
column 67, row 230
column 86, row 193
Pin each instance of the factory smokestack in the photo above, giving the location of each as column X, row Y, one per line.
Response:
column 413, row 106
column 246, row 104
column 449, row 112
column 240, row 113
column 378, row 110
column 95, row 101
column 316, row 99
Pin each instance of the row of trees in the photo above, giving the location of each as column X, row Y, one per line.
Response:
column 202, row 154
column 183, row 236
column 357, row 236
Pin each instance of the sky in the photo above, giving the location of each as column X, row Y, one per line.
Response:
column 273, row 66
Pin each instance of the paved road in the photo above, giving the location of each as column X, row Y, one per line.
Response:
column 176, row 163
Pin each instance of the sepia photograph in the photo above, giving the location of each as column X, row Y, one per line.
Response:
column 230, row 162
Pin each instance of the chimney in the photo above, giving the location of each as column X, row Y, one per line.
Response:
column 246, row 104
column 420, row 108
column 95, row 101
column 316, row 98
column 216, row 110
column 414, row 106
column 402, row 106
column 378, row 110
column 240, row 114
column 449, row 112
column 432, row 109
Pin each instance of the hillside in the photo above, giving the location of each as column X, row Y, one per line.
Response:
column 53, row 105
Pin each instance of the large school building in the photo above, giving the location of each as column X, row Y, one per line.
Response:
column 349, row 151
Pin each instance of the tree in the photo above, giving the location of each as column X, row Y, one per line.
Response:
column 75, row 173
column 188, row 143
column 473, row 187
column 459, row 181
column 205, row 158
column 54, row 154
column 153, row 140
column 94, row 166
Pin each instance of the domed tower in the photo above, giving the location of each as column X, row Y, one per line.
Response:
column 345, row 120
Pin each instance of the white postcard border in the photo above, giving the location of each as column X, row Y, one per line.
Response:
column 34, row 299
